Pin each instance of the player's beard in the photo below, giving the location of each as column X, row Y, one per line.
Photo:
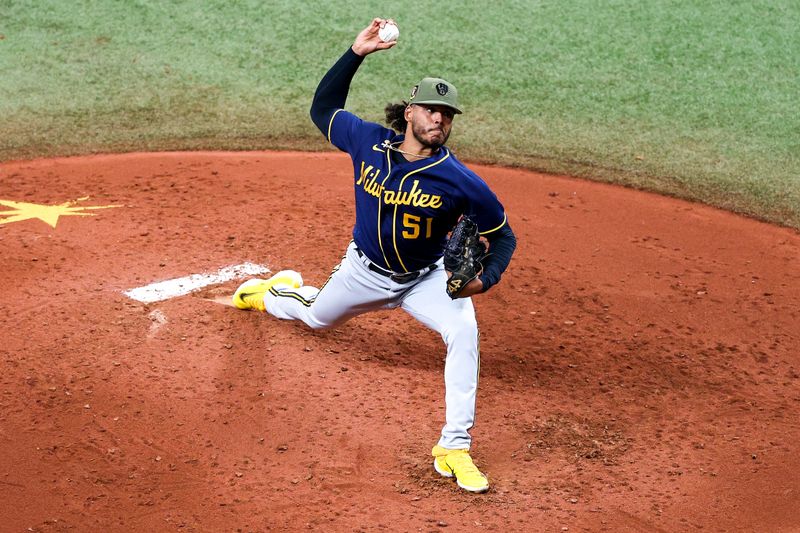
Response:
column 419, row 131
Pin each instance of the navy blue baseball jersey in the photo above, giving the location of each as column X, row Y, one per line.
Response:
column 405, row 210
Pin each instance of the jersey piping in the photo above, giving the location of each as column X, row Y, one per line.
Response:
column 380, row 202
column 399, row 190
column 503, row 223
column 330, row 124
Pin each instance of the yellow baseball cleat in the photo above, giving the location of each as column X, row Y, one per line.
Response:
column 250, row 294
column 458, row 463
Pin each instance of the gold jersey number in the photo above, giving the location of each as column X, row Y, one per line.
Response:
column 413, row 225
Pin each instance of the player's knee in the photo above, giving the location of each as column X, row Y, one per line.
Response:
column 319, row 322
column 462, row 330
column 317, row 326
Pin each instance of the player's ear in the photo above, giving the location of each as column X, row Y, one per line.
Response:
column 407, row 113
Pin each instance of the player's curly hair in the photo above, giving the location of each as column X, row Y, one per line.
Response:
column 395, row 116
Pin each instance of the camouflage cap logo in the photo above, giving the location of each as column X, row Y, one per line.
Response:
column 442, row 89
column 414, row 91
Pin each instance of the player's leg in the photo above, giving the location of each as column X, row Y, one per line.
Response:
column 455, row 321
column 350, row 290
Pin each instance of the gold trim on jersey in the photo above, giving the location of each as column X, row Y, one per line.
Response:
column 503, row 223
column 380, row 197
column 399, row 191
column 330, row 124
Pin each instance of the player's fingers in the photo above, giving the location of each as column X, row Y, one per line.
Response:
column 376, row 26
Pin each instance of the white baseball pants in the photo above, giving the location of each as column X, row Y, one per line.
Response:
column 354, row 289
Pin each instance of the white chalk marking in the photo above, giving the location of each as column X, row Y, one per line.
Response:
column 171, row 288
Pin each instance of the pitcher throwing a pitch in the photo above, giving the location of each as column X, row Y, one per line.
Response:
column 410, row 192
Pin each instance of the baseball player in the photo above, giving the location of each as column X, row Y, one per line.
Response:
column 410, row 190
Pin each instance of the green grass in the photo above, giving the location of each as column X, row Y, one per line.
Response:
column 694, row 99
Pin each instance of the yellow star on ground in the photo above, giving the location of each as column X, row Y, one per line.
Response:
column 46, row 213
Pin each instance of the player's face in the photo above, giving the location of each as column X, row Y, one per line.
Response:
column 431, row 124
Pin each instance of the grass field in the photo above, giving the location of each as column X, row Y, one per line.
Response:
column 694, row 99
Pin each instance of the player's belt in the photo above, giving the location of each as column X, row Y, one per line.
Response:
column 406, row 277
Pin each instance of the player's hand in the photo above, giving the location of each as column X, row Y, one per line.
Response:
column 473, row 287
column 369, row 41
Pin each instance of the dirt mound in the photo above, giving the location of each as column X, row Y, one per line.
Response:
column 639, row 361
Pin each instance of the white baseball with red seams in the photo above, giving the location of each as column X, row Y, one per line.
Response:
column 390, row 32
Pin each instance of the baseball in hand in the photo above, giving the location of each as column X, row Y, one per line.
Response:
column 389, row 32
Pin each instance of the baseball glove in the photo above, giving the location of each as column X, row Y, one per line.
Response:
column 462, row 256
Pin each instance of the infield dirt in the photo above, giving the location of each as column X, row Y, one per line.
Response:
column 640, row 366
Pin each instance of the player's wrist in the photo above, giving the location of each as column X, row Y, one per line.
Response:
column 485, row 284
column 358, row 50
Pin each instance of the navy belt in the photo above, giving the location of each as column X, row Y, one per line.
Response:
column 406, row 277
